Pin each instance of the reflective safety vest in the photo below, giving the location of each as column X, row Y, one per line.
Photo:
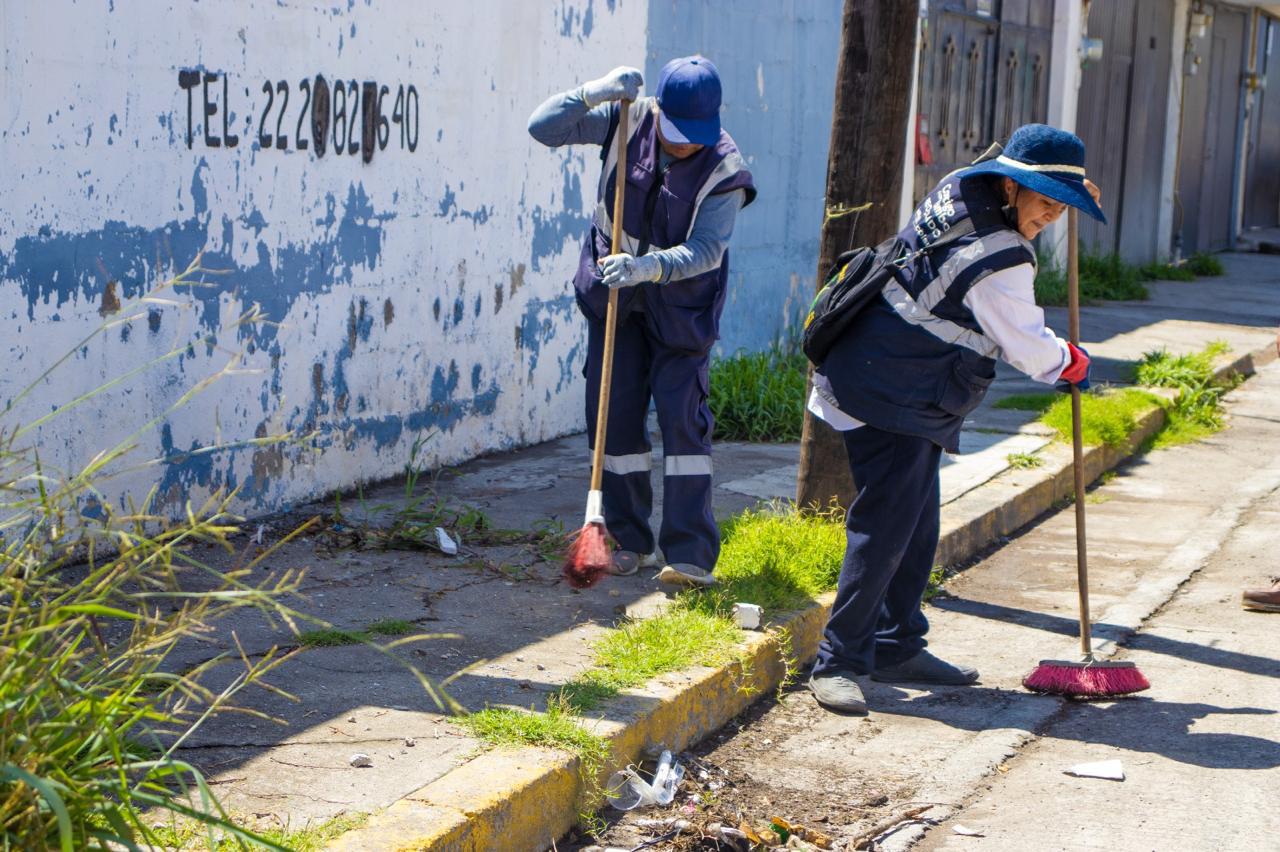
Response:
column 916, row 360
column 659, row 209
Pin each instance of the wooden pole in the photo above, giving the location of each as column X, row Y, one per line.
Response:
column 864, row 166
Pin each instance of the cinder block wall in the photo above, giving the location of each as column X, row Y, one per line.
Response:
column 418, row 293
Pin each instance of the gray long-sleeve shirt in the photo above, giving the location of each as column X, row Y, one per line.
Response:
column 567, row 119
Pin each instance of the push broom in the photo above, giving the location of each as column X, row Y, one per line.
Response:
column 1089, row 677
column 588, row 556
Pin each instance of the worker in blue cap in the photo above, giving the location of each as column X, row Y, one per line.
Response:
column 900, row 380
column 686, row 183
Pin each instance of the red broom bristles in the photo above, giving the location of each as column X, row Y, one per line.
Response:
column 587, row 559
column 1084, row 680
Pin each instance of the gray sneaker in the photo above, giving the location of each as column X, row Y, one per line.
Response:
column 627, row 562
column 926, row 668
column 684, row 574
column 839, row 691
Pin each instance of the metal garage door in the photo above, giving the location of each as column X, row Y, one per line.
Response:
column 1262, row 179
column 1122, row 119
column 1210, row 134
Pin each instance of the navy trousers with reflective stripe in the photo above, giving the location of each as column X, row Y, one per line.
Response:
column 677, row 382
column 892, row 534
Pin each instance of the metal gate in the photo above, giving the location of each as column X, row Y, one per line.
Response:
column 984, row 70
column 1121, row 118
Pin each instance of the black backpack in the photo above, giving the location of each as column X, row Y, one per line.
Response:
column 855, row 279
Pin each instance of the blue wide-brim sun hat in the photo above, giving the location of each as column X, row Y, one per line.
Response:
column 689, row 101
column 1047, row 160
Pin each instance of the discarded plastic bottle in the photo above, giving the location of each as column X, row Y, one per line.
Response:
column 627, row 789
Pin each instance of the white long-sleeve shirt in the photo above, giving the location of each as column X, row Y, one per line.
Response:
column 1004, row 304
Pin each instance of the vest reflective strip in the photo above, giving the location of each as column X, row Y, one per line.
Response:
column 944, row 330
column 634, row 463
column 604, row 215
column 961, row 260
column 725, row 169
column 687, row 465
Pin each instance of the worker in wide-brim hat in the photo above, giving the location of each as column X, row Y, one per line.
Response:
column 899, row 382
column 686, row 182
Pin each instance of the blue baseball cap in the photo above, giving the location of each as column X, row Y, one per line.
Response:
column 1047, row 160
column 689, row 100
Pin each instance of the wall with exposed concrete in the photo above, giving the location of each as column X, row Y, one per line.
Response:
column 416, row 287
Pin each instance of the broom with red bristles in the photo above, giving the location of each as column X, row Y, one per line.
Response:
column 1090, row 677
column 587, row 559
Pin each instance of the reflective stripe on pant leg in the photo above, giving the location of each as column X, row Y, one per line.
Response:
column 634, row 463
column 686, row 465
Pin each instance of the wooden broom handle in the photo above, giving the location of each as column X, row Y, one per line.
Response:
column 611, row 315
column 1077, row 429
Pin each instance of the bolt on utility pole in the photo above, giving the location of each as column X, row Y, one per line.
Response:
column 864, row 170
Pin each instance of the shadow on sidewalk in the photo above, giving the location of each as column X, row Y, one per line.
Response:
column 1190, row 651
column 1134, row 724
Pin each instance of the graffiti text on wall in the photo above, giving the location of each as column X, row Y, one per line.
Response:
column 345, row 116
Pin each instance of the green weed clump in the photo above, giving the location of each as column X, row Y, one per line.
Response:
column 758, row 396
column 1040, row 402
column 1166, row 272
column 1205, row 264
column 1024, row 461
column 1196, row 412
column 777, row 557
column 1102, row 277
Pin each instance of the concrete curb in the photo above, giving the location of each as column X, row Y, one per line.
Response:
column 524, row 799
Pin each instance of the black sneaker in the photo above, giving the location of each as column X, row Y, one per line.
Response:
column 926, row 668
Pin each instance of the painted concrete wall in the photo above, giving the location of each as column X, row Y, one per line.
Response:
column 777, row 60
column 421, row 294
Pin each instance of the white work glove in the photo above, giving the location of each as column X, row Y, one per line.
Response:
column 623, row 270
column 622, row 83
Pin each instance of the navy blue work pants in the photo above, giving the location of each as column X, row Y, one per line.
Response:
column 892, row 534
column 677, row 382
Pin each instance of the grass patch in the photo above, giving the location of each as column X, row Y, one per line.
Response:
column 1107, row 417
column 556, row 728
column 641, row 650
column 758, row 396
column 1024, row 461
column 1039, row 402
column 332, row 637
column 311, row 838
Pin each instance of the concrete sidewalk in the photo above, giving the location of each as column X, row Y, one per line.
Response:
column 521, row 634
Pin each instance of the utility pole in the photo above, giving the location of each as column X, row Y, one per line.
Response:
column 864, row 169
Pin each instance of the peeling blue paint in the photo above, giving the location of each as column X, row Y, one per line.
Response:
column 538, row 325
column 56, row 267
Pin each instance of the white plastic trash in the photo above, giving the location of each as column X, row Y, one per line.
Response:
column 748, row 616
column 447, row 544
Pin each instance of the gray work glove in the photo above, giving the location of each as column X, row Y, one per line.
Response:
column 624, row 270
column 622, row 83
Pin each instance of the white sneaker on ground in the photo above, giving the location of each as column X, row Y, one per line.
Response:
column 684, row 574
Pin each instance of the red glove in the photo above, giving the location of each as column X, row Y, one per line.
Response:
column 1077, row 372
